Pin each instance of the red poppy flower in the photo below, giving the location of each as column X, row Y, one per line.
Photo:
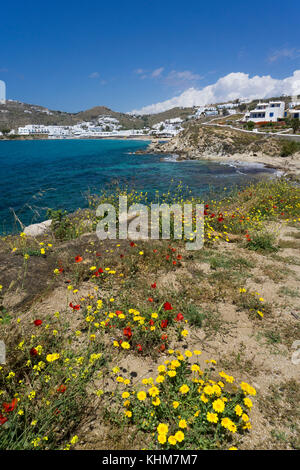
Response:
column 206, row 206
column 155, row 251
column 164, row 337
column 100, row 270
column 38, row 322
column 167, row 257
column 168, row 306
column 153, row 285
column 78, row 259
column 174, row 262
column 205, row 213
column 3, row 419
column 127, row 332
column 139, row 347
column 179, row 257
column 162, row 347
column 220, row 219
column 61, row 270
column 164, row 323
column 118, row 312
column 62, row 389
column 74, row 307
column 150, row 299
column 179, row 317
column 33, row 352
column 151, row 322
column 132, row 244
column 212, row 216
column 9, row 407
column 121, row 256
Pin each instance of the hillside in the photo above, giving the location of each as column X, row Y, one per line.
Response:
column 121, row 345
column 223, row 144
column 15, row 114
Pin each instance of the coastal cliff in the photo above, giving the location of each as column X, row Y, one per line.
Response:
column 225, row 144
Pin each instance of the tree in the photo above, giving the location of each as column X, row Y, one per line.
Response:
column 242, row 107
column 5, row 131
column 250, row 125
column 295, row 125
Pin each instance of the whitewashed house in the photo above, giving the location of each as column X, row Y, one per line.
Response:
column 294, row 113
column 227, row 105
column 293, row 104
column 33, row 129
column 211, row 111
column 266, row 112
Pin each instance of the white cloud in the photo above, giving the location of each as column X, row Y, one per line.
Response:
column 94, row 75
column 182, row 79
column 230, row 87
column 149, row 74
column 284, row 53
column 139, row 71
column 157, row 72
column 185, row 75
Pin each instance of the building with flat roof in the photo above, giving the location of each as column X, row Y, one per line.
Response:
column 294, row 113
column 266, row 112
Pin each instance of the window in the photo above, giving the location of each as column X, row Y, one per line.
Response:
column 271, row 114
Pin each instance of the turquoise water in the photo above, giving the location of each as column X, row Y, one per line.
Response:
column 36, row 175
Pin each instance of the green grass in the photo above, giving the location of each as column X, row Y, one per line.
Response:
column 262, row 242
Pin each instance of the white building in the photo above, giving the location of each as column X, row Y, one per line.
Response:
column 269, row 112
column 227, row 106
column 211, row 112
column 293, row 104
column 168, row 127
column 295, row 113
column 33, row 129
column 2, row 92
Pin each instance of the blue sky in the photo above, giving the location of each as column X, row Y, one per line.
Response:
column 127, row 54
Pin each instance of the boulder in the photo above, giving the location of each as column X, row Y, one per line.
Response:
column 35, row 230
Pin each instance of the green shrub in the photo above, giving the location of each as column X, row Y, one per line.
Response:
column 60, row 225
column 263, row 241
column 288, row 148
column 194, row 316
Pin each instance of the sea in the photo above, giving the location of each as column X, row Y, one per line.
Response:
column 59, row 174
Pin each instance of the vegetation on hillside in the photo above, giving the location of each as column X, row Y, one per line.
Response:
column 15, row 114
column 97, row 336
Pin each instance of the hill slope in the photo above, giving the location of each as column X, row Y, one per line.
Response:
column 15, row 114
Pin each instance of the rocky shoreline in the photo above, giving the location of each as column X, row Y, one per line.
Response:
column 228, row 146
